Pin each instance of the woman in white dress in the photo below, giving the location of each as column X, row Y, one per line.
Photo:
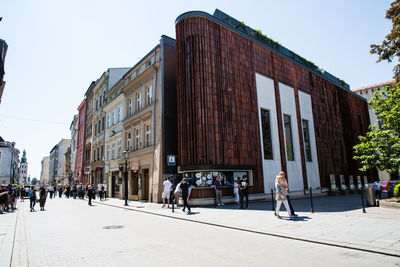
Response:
column 236, row 190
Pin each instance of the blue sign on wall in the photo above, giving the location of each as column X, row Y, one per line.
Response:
column 171, row 159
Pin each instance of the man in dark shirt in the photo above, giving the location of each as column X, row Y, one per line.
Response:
column 218, row 191
column 184, row 188
column 244, row 191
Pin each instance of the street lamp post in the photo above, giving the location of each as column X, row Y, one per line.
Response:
column 126, row 176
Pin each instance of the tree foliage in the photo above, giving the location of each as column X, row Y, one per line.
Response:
column 390, row 47
column 380, row 148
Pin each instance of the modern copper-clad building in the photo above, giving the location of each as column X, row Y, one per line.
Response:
column 247, row 105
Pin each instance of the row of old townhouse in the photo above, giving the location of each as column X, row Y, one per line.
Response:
column 220, row 100
column 122, row 121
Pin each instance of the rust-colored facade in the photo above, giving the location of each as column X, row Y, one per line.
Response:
column 218, row 122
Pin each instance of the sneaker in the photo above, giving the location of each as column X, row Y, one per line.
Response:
column 222, row 204
column 219, row 204
column 279, row 217
column 163, row 206
column 295, row 215
column 188, row 213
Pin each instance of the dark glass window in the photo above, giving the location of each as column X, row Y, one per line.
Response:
column 288, row 137
column 266, row 132
column 307, row 143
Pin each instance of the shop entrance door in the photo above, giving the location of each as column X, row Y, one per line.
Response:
column 145, row 185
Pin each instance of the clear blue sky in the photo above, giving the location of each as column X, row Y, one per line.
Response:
column 56, row 48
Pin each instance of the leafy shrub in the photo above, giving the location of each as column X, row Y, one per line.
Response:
column 396, row 190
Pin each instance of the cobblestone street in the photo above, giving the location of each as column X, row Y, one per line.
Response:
column 70, row 232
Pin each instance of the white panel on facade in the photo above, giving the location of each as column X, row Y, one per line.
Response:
column 266, row 100
column 306, row 114
column 294, row 168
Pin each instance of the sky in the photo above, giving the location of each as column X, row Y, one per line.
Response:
column 57, row 48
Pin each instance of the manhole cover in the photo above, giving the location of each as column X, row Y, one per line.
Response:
column 113, row 227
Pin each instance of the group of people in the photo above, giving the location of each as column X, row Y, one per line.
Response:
column 173, row 192
column 9, row 194
column 183, row 190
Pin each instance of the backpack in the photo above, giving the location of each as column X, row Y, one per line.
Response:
column 31, row 194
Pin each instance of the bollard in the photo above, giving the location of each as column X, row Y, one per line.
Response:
column 173, row 198
column 311, row 201
column 362, row 199
column 272, row 200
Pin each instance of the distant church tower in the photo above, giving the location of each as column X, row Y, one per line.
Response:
column 23, row 170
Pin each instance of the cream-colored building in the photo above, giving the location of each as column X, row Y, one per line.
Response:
column 149, row 128
column 107, row 80
column 113, row 137
column 367, row 92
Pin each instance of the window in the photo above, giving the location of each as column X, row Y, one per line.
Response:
column 307, row 143
column 138, row 101
column 108, row 153
column 108, row 121
column 149, row 94
column 130, row 107
column 148, row 134
column 95, row 129
column 266, row 132
column 113, row 151
column 137, row 72
column 288, row 137
column 102, row 152
column 137, row 138
column 112, row 118
column 119, row 114
column 119, row 149
column 148, row 64
column 128, row 142
column 102, row 122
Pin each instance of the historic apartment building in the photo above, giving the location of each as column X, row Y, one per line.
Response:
column 367, row 92
column 80, row 143
column 149, row 127
column 107, row 80
column 74, row 136
column 88, row 136
column 113, row 137
column 248, row 105
column 9, row 162
column 58, row 163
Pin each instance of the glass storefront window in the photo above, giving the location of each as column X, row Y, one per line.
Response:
column 207, row 178
column 288, row 137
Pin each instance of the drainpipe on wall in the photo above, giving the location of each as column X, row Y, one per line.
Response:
column 154, row 117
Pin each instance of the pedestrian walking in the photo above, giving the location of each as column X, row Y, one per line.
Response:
column 177, row 193
column 32, row 198
column 90, row 195
column 377, row 187
column 42, row 197
column 3, row 198
column 236, row 190
column 184, row 188
column 218, row 191
column 166, row 191
column 60, row 191
column 281, row 195
column 51, row 191
column 21, row 194
column 244, row 192
column 283, row 175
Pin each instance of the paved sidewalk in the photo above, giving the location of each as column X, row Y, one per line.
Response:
column 7, row 233
column 337, row 221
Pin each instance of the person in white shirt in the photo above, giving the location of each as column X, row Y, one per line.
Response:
column 166, row 191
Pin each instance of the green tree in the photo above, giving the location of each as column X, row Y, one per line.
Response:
column 390, row 47
column 380, row 148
